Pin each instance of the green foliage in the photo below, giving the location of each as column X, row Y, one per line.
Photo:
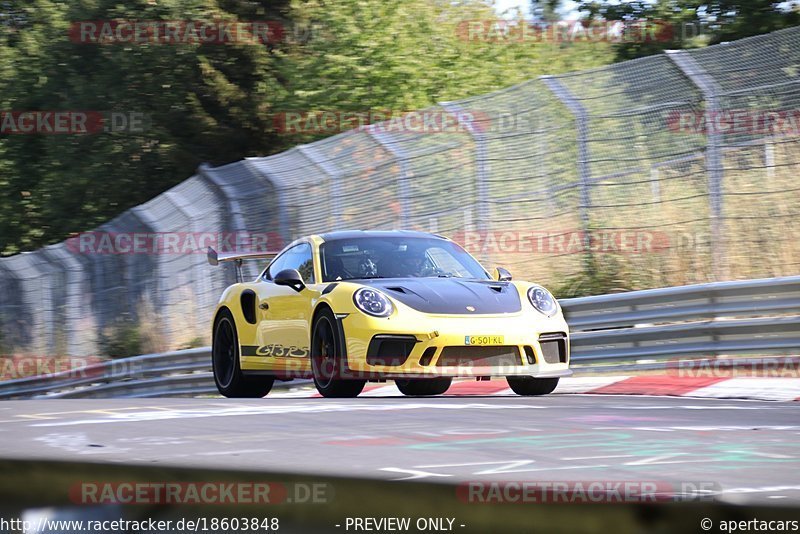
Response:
column 122, row 339
column 694, row 22
column 204, row 103
column 599, row 276
column 193, row 343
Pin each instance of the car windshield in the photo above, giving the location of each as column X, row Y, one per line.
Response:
column 396, row 257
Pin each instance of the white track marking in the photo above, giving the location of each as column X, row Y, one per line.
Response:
column 598, row 457
column 657, row 459
column 415, row 474
column 776, row 389
column 78, row 443
column 282, row 409
column 586, row 383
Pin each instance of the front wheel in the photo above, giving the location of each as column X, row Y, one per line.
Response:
column 413, row 387
column 327, row 362
column 528, row 385
column 228, row 375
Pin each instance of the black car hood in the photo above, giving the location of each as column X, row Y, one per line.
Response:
column 450, row 295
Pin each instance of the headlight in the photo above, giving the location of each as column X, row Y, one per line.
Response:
column 542, row 300
column 372, row 302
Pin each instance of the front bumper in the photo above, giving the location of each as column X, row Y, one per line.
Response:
column 437, row 346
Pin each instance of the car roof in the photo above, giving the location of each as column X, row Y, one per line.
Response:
column 352, row 234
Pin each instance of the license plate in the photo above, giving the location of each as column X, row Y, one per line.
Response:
column 483, row 340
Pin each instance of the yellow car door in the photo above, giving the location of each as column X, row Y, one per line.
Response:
column 285, row 313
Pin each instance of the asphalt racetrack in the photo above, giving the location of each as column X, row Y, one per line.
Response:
column 750, row 450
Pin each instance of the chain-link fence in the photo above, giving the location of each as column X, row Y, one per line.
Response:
column 666, row 170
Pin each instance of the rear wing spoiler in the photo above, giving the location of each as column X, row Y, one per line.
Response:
column 215, row 258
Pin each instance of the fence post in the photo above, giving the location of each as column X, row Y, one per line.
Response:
column 311, row 153
column 284, row 223
column 234, row 215
column 383, row 139
column 481, row 164
column 584, row 172
column 710, row 91
column 80, row 340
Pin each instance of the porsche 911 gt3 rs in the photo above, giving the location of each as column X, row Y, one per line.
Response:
column 347, row 307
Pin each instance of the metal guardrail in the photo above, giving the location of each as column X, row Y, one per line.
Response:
column 752, row 316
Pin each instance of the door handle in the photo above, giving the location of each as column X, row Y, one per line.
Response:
column 264, row 305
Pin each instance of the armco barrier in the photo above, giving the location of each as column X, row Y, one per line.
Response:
column 752, row 316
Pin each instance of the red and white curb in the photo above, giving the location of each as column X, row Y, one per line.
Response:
column 756, row 388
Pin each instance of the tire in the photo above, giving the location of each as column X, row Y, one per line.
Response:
column 327, row 361
column 528, row 385
column 413, row 387
column 228, row 375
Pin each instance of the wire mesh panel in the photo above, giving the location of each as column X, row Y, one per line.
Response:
column 532, row 183
column 28, row 309
column 646, row 186
column 758, row 86
column 666, row 170
column 364, row 185
column 306, row 194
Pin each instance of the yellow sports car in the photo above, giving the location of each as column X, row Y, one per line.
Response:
column 347, row 307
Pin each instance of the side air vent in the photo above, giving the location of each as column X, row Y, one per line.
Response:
column 248, row 301
column 554, row 347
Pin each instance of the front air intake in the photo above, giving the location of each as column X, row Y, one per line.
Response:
column 390, row 350
column 554, row 347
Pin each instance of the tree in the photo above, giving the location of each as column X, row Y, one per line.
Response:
column 692, row 23
column 202, row 102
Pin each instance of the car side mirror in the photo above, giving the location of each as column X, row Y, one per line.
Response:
column 291, row 278
column 502, row 275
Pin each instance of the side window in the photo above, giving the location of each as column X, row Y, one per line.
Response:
column 298, row 258
column 303, row 262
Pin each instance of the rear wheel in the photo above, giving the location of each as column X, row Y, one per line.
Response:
column 413, row 387
column 327, row 362
column 225, row 363
column 528, row 385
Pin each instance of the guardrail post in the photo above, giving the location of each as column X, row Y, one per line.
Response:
column 710, row 91
column 584, row 172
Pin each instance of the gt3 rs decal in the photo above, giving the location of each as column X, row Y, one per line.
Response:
column 275, row 351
